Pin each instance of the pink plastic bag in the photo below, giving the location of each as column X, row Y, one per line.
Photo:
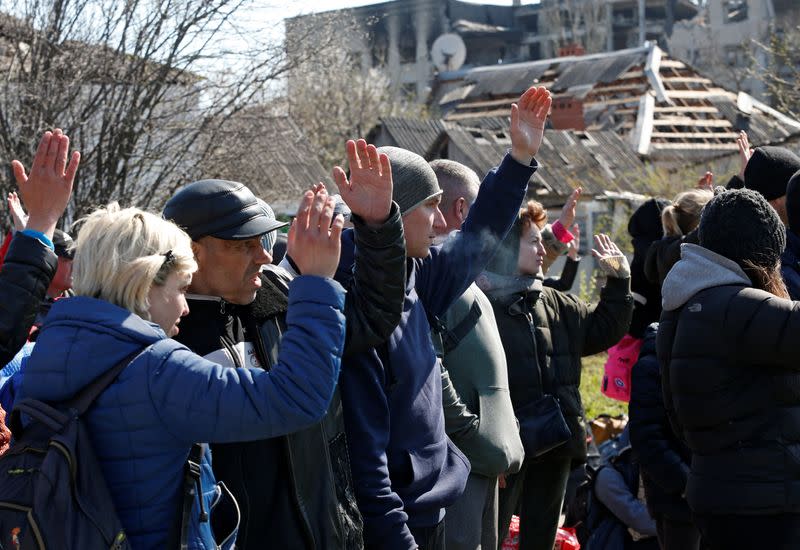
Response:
column 616, row 382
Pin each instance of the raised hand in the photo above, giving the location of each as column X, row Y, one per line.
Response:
column 567, row 217
column 313, row 242
column 610, row 258
column 368, row 193
column 574, row 246
column 46, row 190
column 745, row 152
column 528, row 116
column 17, row 212
column 706, row 183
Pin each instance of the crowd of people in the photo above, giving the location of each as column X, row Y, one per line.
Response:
column 405, row 375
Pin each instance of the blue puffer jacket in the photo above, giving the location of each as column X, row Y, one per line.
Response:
column 144, row 424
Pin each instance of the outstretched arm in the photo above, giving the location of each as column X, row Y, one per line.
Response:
column 451, row 268
column 376, row 284
column 30, row 263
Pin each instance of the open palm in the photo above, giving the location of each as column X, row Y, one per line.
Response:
column 528, row 117
column 368, row 192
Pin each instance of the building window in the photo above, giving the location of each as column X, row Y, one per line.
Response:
column 734, row 10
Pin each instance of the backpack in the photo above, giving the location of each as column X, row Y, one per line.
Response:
column 52, row 494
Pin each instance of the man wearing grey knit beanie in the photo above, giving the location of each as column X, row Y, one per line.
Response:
column 406, row 471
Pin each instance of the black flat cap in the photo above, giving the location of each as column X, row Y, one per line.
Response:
column 219, row 208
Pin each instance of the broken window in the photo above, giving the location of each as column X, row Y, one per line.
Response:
column 734, row 10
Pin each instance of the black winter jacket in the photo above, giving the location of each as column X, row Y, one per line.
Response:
column 730, row 365
column 28, row 268
column 554, row 330
column 663, row 458
column 296, row 491
column 664, row 254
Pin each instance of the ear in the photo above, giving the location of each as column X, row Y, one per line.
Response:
column 459, row 210
column 197, row 250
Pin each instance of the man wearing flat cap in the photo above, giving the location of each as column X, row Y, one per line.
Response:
column 293, row 491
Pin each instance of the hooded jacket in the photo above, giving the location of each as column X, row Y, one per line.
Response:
column 27, row 271
column 296, row 490
column 478, row 371
column 406, row 469
column 544, row 328
column 143, row 426
column 729, row 365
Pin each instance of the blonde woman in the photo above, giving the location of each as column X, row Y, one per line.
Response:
column 679, row 219
column 131, row 271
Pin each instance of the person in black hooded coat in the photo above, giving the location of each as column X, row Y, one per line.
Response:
column 663, row 458
column 729, row 361
column 645, row 228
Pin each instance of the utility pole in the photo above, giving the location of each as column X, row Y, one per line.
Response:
column 642, row 23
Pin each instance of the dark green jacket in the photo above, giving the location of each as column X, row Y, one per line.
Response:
column 565, row 329
column 477, row 369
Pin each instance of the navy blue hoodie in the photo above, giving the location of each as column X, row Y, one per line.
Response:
column 406, row 470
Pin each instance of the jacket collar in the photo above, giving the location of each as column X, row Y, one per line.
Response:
column 697, row 270
column 270, row 301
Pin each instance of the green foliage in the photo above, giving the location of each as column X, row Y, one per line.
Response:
column 594, row 402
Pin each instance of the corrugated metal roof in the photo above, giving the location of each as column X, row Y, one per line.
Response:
column 586, row 72
column 413, row 134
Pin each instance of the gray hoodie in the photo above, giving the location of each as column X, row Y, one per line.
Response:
column 698, row 269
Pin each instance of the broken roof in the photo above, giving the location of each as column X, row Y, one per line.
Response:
column 598, row 161
column 665, row 108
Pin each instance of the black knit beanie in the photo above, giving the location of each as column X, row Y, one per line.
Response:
column 645, row 222
column 413, row 178
column 742, row 226
column 793, row 203
column 769, row 169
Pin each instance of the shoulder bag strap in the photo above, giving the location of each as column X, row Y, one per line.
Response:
column 84, row 399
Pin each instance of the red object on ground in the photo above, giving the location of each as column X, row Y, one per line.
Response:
column 511, row 542
column 566, row 539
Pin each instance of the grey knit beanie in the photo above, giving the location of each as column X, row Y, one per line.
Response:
column 413, row 178
column 742, row 226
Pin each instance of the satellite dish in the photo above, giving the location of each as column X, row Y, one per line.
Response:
column 448, row 52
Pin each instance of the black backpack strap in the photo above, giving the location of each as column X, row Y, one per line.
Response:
column 191, row 489
column 84, row 399
column 451, row 338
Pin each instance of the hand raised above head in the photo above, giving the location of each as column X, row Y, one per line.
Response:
column 528, row 117
column 314, row 236
column 745, row 152
column 368, row 193
column 47, row 188
column 17, row 211
column 706, row 182
column 610, row 258
column 567, row 217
